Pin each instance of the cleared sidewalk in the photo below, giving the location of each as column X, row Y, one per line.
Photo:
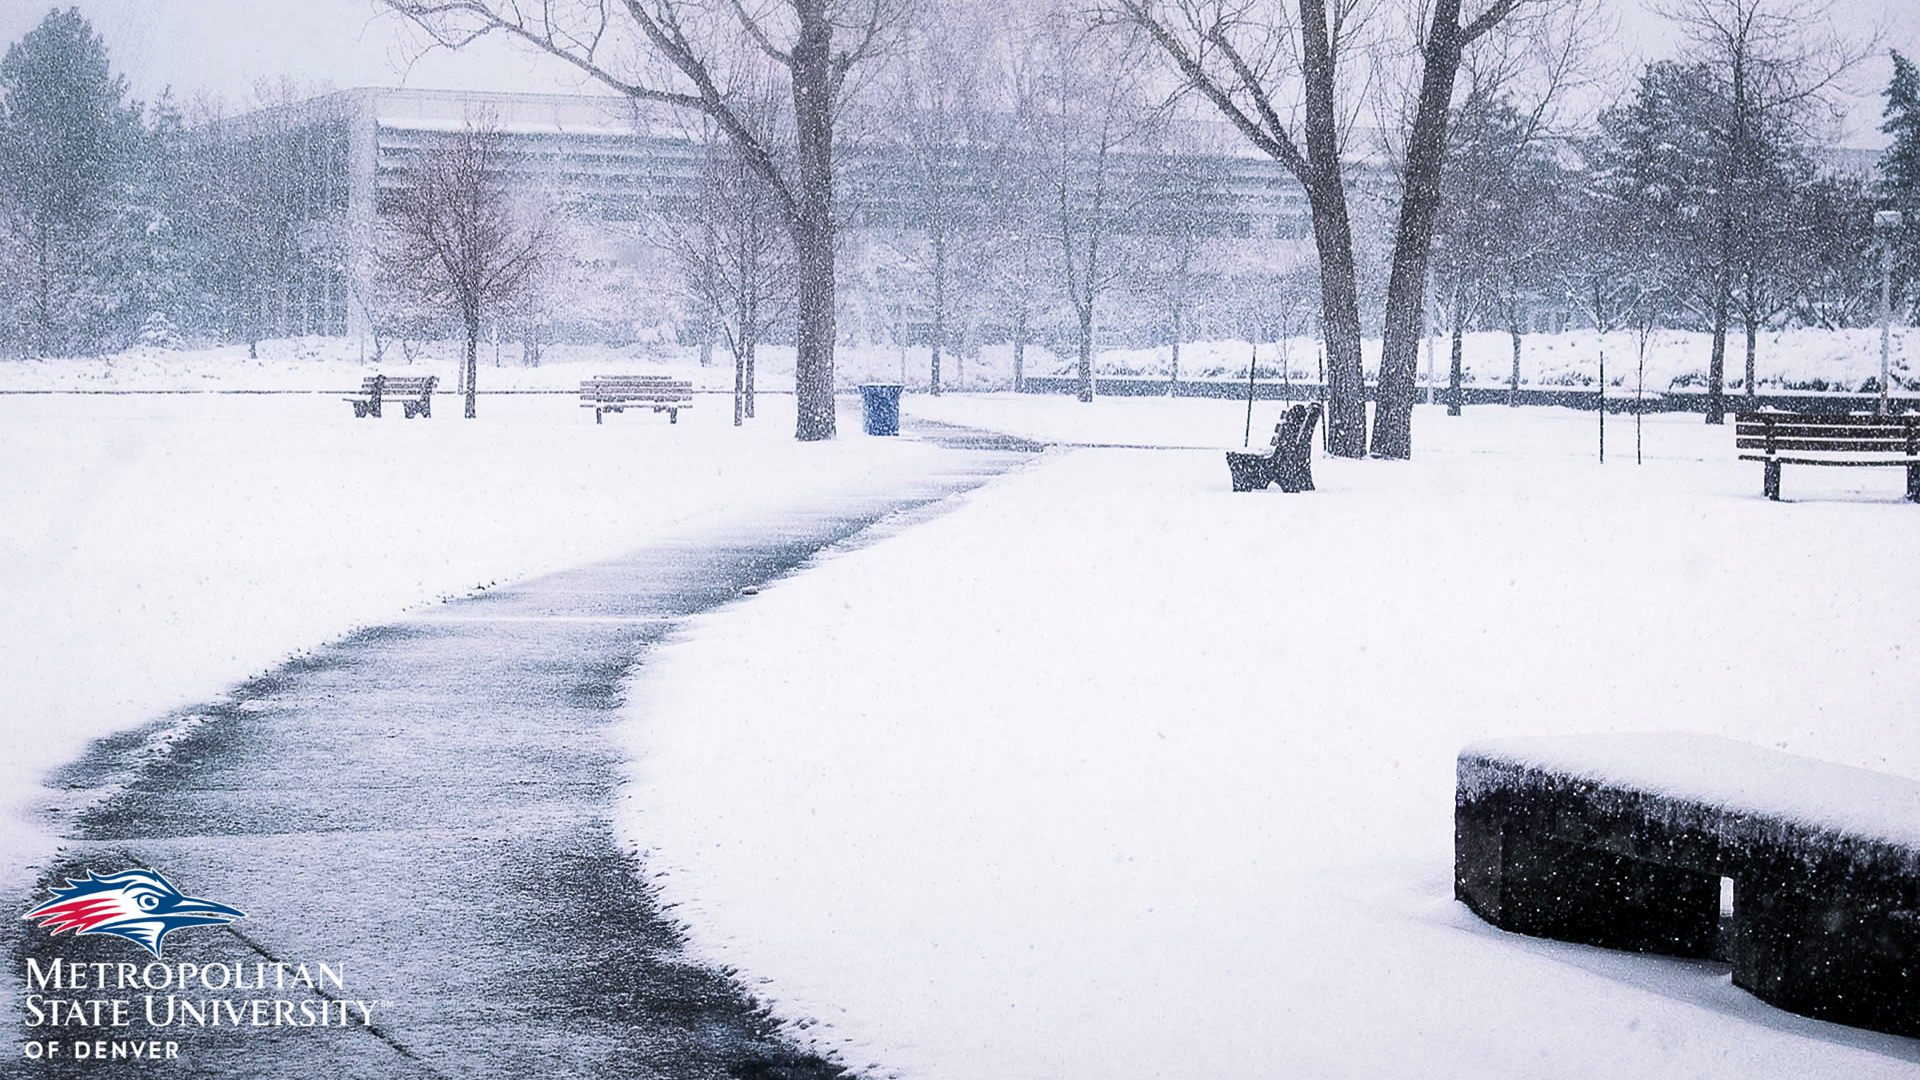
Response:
column 417, row 822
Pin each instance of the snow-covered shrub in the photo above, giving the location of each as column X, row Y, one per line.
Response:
column 159, row 332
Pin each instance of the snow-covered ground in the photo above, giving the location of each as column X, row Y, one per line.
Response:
column 1793, row 359
column 1109, row 771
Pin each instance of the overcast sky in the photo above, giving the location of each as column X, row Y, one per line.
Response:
column 223, row 47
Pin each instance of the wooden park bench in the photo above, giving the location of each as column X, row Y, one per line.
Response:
column 415, row 394
column 1623, row 841
column 616, row 393
column 1850, row 439
column 1289, row 464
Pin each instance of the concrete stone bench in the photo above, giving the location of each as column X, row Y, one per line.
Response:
column 1623, row 841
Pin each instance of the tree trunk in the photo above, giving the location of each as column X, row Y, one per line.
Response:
column 1456, row 373
column 939, row 308
column 739, row 386
column 1173, row 371
column 1717, row 362
column 753, row 346
column 1513, row 330
column 749, row 338
column 40, row 334
column 813, row 227
column 1020, row 349
column 1085, row 312
column 1753, row 333
column 1346, row 428
column 1419, row 203
column 473, row 357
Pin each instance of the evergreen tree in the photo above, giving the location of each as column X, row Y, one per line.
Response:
column 66, row 137
column 1651, row 183
column 159, row 261
column 1836, row 261
column 1900, row 173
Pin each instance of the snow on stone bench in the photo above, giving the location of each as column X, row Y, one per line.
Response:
column 1622, row 841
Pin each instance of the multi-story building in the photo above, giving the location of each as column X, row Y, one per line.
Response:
column 327, row 168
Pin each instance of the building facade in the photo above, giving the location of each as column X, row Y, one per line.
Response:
column 327, row 168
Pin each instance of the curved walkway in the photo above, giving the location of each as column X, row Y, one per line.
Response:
column 417, row 822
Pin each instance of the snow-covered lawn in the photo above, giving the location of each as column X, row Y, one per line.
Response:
column 1113, row 772
column 1107, row 772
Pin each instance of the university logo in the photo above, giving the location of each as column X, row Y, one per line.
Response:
column 138, row 905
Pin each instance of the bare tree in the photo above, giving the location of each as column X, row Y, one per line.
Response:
column 1500, row 216
column 699, row 44
column 942, row 110
column 457, row 238
column 1277, row 81
column 1279, row 77
column 1187, row 187
column 733, row 251
column 1088, row 119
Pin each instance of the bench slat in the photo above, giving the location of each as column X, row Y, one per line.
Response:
column 1775, row 459
column 1828, row 419
column 1893, row 445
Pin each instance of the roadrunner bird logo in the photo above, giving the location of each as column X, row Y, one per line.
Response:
column 138, row 905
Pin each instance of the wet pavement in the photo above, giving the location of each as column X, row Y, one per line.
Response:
column 417, row 821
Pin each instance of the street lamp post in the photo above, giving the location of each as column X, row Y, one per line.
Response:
column 1887, row 224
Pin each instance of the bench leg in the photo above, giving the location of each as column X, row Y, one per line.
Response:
column 1294, row 473
column 1913, row 483
column 359, row 409
column 1248, row 471
column 1519, row 880
column 673, row 416
column 1820, row 950
column 597, row 414
column 1770, row 483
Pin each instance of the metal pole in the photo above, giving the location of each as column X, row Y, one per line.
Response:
column 1251, row 362
column 1886, row 311
column 1887, row 224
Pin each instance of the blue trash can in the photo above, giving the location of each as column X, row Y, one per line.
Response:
column 880, row 408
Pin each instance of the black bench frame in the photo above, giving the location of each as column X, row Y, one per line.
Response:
column 1842, row 439
column 616, row 393
column 1825, row 923
column 415, row 394
column 1289, row 464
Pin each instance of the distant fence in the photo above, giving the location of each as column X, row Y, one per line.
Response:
column 1617, row 399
